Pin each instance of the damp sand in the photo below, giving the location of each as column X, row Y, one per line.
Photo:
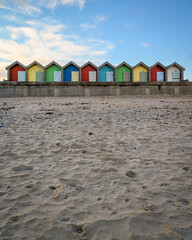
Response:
column 114, row 168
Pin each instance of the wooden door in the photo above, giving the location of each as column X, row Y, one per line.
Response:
column 126, row 77
column 143, row 76
column 176, row 76
column 160, row 76
column 39, row 76
column 109, row 76
column 92, row 76
column 75, row 76
column 57, row 76
column 21, row 76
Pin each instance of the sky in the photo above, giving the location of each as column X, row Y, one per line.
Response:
column 97, row 31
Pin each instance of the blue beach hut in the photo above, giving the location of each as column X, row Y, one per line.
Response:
column 106, row 72
column 71, row 72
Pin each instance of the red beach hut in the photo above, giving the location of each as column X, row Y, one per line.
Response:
column 89, row 72
column 157, row 72
column 16, row 72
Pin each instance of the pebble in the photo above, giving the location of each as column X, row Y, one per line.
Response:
column 65, row 219
column 186, row 168
column 90, row 133
column 130, row 174
column 78, row 229
column 14, row 218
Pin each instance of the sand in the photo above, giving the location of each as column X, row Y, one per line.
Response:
column 114, row 168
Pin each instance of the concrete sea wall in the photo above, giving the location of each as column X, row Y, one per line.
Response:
column 35, row 89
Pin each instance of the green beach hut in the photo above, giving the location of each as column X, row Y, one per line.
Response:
column 123, row 72
column 53, row 72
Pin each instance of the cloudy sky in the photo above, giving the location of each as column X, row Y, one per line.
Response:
column 96, row 30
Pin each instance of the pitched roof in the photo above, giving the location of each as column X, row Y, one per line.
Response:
column 89, row 63
column 141, row 64
column 53, row 63
column 106, row 63
column 15, row 63
column 125, row 64
column 35, row 63
column 71, row 63
column 158, row 64
column 176, row 65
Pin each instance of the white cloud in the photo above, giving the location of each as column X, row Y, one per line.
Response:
column 110, row 46
column 44, row 43
column 29, row 10
column 27, row 6
column 101, row 18
column 87, row 26
column 11, row 18
column 144, row 44
column 25, row 31
column 54, row 28
column 3, row 74
column 22, row 8
column 53, row 3
column 49, row 3
column 32, row 23
column 128, row 25
column 72, row 2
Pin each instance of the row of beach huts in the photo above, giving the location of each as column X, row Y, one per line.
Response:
column 71, row 72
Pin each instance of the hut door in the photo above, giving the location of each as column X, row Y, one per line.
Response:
column 57, row 76
column 75, row 76
column 109, row 76
column 92, row 76
column 21, row 76
column 160, row 76
column 126, row 77
column 176, row 76
column 143, row 76
column 39, row 76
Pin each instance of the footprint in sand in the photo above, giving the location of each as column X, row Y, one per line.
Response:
column 22, row 168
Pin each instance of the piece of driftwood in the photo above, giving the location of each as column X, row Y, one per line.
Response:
column 7, row 108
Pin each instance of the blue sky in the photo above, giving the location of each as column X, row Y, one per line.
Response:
column 96, row 30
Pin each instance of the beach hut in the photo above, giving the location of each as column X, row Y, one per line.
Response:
column 35, row 72
column 89, row 72
column 16, row 72
column 157, row 72
column 174, row 72
column 141, row 73
column 71, row 72
column 106, row 72
column 53, row 72
column 123, row 73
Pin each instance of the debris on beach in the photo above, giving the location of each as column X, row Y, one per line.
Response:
column 130, row 174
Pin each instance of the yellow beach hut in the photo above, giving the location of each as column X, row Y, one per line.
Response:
column 35, row 72
column 141, row 73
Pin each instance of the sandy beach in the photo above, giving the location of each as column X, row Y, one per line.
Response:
column 114, row 168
